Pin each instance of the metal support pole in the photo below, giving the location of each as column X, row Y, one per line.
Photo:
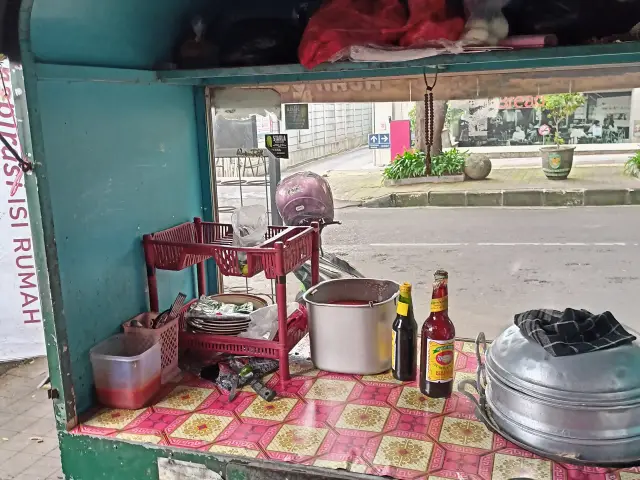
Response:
column 274, row 179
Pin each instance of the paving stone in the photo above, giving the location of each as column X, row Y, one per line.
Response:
column 606, row 197
column 447, row 199
column 522, row 198
column 563, row 198
column 484, row 199
column 19, row 463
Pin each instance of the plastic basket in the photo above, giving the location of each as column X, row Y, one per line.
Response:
column 188, row 244
column 167, row 336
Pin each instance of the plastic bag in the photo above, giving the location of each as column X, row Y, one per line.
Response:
column 249, row 228
column 249, row 225
column 486, row 24
column 264, row 322
column 340, row 24
column 429, row 24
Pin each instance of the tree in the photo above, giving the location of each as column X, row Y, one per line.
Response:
column 559, row 107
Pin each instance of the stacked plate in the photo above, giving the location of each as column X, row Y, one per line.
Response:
column 219, row 325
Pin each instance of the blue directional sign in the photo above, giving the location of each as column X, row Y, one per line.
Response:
column 379, row 140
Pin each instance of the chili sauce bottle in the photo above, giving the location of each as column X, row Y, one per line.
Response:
column 438, row 333
column 404, row 338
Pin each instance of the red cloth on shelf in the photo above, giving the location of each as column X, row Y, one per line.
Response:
column 340, row 24
column 428, row 23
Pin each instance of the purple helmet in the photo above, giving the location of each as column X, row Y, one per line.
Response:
column 303, row 198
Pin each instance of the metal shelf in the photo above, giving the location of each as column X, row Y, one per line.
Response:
column 573, row 57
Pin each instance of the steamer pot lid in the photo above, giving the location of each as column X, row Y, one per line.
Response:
column 611, row 375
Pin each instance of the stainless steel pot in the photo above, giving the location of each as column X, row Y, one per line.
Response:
column 352, row 339
column 580, row 408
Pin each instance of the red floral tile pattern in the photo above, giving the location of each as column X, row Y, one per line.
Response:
column 364, row 424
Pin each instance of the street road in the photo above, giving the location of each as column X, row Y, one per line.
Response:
column 501, row 261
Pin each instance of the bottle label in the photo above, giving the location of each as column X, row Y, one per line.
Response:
column 403, row 309
column 439, row 361
column 439, row 304
column 393, row 350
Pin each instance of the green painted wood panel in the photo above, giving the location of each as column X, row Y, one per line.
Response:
column 122, row 160
column 560, row 57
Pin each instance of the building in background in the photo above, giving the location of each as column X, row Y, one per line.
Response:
column 606, row 117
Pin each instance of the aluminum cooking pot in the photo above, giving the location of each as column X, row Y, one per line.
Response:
column 583, row 408
column 350, row 324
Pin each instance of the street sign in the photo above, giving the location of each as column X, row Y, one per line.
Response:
column 544, row 130
column 379, row 140
column 277, row 144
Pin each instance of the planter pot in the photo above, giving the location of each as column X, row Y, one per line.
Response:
column 557, row 161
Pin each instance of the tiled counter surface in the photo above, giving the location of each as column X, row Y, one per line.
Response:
column 365, row 424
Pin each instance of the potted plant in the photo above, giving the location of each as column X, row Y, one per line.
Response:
column 557, row 159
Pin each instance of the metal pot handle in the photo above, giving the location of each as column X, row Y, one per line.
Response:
column 481, row 375
column 478, row 403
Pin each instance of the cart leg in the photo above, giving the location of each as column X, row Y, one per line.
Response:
column 152, row 283
column 281, row 301
column 315, row 254
column 202, row 283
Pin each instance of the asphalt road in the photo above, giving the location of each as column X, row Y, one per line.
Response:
column 501, row 261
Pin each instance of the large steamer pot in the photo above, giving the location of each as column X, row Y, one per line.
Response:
column 353, row 339
column 583, row 408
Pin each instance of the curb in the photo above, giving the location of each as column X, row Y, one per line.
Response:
column 510, row 198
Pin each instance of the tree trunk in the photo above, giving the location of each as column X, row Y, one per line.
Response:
column 440, row 113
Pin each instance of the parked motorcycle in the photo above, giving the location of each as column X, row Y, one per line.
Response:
column 303, row 198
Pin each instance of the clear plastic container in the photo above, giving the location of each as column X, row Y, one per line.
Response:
column 126, row 370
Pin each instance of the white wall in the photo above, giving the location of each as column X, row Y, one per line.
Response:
column 333, row 128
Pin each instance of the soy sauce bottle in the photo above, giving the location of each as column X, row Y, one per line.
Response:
column 438, row 333
column 404, row 338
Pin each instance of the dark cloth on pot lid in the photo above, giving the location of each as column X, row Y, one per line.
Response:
column 573, row 331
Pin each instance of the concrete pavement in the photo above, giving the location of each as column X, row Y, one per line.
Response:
column 28, row 436
column 501, row 261
column 586, row 185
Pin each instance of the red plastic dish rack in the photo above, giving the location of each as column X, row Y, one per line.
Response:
column 284, row 250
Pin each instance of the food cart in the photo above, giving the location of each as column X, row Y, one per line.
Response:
column 121, row 149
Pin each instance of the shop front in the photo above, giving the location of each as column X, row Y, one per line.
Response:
column 521, row 120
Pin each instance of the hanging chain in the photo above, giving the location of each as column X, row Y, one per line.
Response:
column 429, row 119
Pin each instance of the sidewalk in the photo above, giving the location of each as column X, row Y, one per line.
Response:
column 586, row 185
column 522, row 151
column 28, row 437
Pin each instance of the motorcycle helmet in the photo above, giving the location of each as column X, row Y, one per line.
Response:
column 303, row 198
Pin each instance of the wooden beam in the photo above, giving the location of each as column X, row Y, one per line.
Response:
column 461, row 87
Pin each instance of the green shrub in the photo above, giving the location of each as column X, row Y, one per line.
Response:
column 450, row 162
column 410, row 164
column 632, row 166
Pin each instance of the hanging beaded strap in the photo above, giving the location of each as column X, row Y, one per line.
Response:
column 429, row 118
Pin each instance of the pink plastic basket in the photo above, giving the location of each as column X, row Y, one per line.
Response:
column 167, row 335
column 190, row 243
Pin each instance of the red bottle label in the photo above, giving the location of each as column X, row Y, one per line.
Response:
column 440, row 363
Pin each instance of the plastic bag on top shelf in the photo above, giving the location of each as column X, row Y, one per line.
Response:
column 340, row 24
column 572, row 21
column 486, row 24
column 429, row 23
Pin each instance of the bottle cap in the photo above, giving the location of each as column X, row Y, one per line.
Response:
column 405, row 288
column 441, row 274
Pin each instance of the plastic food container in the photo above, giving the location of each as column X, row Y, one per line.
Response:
column 126, row 370
column 350, row 324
